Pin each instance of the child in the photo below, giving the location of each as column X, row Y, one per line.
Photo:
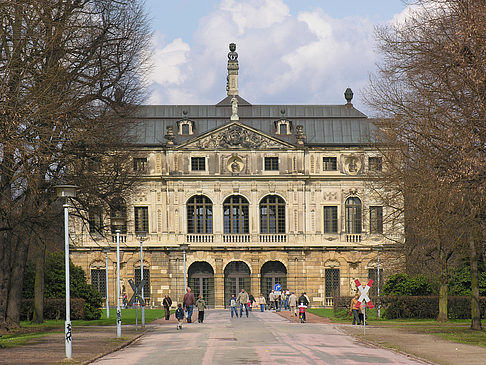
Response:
column 302, row 308
column 201, row 305
column 179, row 314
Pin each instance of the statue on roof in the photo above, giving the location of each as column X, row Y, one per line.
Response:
column 234, row 108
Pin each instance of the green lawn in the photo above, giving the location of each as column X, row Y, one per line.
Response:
column 30, row 330
column 456, row 330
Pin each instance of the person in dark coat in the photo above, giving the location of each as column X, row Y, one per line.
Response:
column 189, row 301
column 166, row 303
column 179, row 314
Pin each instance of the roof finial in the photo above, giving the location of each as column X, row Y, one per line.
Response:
column 348, row 95
column 232, row 79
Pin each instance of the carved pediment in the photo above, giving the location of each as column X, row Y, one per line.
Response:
column 235, row 136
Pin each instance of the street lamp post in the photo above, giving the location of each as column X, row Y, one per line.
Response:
column 66, row 192
column 117, row 222
column 378, row 282
column 184, row 247
column 142, row 235
column 106, row 251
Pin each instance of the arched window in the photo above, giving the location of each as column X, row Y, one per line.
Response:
column 236, row 217
column 272, row 214
column 353, row 215
column 199, row 215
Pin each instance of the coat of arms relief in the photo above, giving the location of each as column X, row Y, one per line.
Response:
column 237, row 137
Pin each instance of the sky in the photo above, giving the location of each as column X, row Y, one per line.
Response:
column 289, row 51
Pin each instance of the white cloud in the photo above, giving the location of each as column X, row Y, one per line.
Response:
column 169, row 61
column 307, row 57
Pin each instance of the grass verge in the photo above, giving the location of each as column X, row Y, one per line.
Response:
column 29, row 330
column 454, row 330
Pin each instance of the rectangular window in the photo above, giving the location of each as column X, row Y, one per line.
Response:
column 374, row 163
column 283, row 128
column 376, row 219
column 271, row 163
column 141, row 219
column 95, row 220
column 332, row 283
column 146, row 277
column 198, row 163
column 329, row 163
column 98, row 280
column 139, row 164
column 330, row 220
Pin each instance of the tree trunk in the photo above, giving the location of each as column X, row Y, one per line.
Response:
column 39, row 285
column 443, row 316
column 4, row 277
column 16, row 283
column 475, row 307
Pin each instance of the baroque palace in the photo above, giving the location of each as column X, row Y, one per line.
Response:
column 236, row 195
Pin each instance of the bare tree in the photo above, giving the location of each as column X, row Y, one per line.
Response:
column 432, row 85
column 71, row 73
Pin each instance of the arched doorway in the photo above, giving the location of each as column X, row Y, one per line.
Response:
column 236, row 277
column 201, row 281
column 272, row 272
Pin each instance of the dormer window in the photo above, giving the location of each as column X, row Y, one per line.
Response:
column 186, row 127
column 283, row 127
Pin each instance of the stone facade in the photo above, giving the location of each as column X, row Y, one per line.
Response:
column 277, row 230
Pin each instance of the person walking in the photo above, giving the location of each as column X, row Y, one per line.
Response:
column 179, row 314
column 201, row 305
column 243, row 299
column 354, row 308
column 271, row 299
column 263, row 302
column 189, row 301
column 232, row 305
column 287, row 295
column 252, row 301
column 166, row 303
column 293, row 304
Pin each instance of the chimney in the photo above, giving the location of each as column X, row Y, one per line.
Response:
column 232, row 78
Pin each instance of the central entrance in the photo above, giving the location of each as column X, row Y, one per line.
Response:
column 236, row 277
column 201, row 281
column 273, row 272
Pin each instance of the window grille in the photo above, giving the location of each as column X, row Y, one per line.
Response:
column 272, row 214
column 146, row 277
column 376, row 219
column 330, row 219
column 332, row 282
column 236, row 215
column 141, row 219
column 198, row 163
column 271, row 163
column 353, row 215
column 199, row 215
column 98, row 280
column 329, row 163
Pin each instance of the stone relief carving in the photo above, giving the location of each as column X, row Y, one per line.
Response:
column 329, row 196
column 236, row 136
column 352, row 164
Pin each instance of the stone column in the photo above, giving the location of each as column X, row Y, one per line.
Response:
column 219, row 284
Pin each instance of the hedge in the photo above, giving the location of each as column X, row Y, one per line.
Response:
column 54, row 308
column 415, row 306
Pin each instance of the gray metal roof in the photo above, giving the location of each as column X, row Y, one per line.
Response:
column 322, row 124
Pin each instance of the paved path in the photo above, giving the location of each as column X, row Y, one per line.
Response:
column 263, row 338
